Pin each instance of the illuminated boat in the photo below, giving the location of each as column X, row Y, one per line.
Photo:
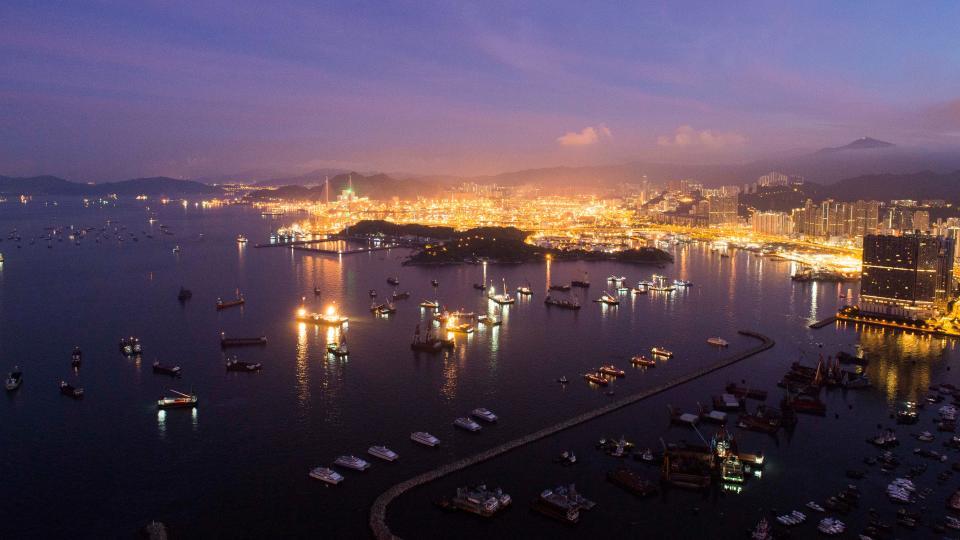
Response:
column 643, row 361
column 180, row 401
column 524, row 290
column 484, row 414
column 352, row 462
column 467, row 423
column 68, row 390
column 640, row 289
column 608, row 299
column 330, row 318
column 76, row 358
column 612, row 371
column 130, row 346
column 682, row 283
column 424, row 438
column 326, row 475
column 429, row 344
column 383, row 309
column 166, row 370
column 660, row 351
column 238, row 300
column 241, row 239
column 14, row 379
column 338, row 349
column 718, row 342
column 502, row 298
column 233, row 364
column 488, row 320
column 383, row 453
column 316, row 290
column 595, row 379
column 430, row 304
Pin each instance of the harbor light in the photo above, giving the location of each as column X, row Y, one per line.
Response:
column 331, row 311
column 301, row 312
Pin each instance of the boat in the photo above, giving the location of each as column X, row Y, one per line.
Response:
column 616, row 279
column 176, row 249
column 524, row 290
column 393, row 281
column 428, row 344
column 69, row 390
column 555, row 507
column 484, row 414
column 424, row 438
column 815, row 507
column 761, row 531
column 632, row 482
column 478, row 500
column 831, row 526
column 76, row 357
column 612, row 371
column 14, row 379
column 130, row 346
column 682, row 418
column 660, row 351
column 237, row 365
column 326, row 475
column 241, row 239
column 166, row 370
column 184, row 294
column 400, row 295
column 595, row 379
column 502, row 298
column 467, row 423
column 226, row 342
column 479, row 286
column 352, row 462
column 316, row 290
column 383, row 309
column 372, row 293
column 561, row 302
column 489, row 321
column 641, row 360
column 238, row 300
column 329, row 318
column 383, row 453
column 640, row 289
column 718, row 342
column 743, row 392
column 559, row 287
column 435, row 283
column 608, row 299
column 430, row 304
column 582, row 283
column 682, row 283
column 180, row 401
column 338, row 349
column 563, row 379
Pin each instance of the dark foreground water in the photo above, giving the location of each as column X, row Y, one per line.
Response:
column 237, row 466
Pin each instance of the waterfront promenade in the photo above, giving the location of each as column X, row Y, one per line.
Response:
column 378, row 512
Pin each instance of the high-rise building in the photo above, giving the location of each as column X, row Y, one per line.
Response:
column 921, row 220
column 906, row 276
column 772, row 223
column 773, row 178
column 723, row 211
column 867, row 216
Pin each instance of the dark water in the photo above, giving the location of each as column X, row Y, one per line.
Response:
column 237, row 466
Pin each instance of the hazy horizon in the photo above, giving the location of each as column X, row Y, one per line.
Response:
column 109, row 90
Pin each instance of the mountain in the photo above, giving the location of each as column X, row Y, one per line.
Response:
column 311, row 178
column 883, row 187
column 863, row 143
column 374, row 186
column 52, row 185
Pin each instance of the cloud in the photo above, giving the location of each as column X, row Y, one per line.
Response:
column 586, row 136
column 688, row 137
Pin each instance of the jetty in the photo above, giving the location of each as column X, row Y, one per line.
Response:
column 342, row 251
column 825, row 322
column 378, row 512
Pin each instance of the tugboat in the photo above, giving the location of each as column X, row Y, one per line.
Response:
column 237, row 301
column 184, row 294
column 181, row 401
column 383, row 453
column 393, row 281
column 173, row 371
column 324, row 474
column 68, row 390
column 465, row 422
column 352, row 462
column 76, row 358
column 14, row 379
column 236, row 365
column 130, row 346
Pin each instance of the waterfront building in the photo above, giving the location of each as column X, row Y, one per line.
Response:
column 771, row 223
column 907, row 276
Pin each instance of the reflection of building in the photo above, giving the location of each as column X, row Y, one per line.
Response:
column 907, row 276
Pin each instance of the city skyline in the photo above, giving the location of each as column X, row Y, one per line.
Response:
column 108, row 91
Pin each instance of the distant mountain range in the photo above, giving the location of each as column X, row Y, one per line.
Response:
column 863, row 143
column 156, row 186
column 374, row 186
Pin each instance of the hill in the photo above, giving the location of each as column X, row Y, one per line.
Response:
column 374, row 186
column 52, row 185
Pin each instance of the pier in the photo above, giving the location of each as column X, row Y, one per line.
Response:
column 378, row 512
column 825, row 322
column 342, row 251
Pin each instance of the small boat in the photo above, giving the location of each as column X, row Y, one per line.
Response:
column 400, row 295
column 166, row 370
column 316, row 291
column 14, row 379
column 238, row 300
column 660, row 351
column 338, row 349
column 226, row 342
column 632, row 482
column 383, row 309
column 435, row 283
column 184, row 294
column 236, row 365
column 609, row 299
column 176, row 249
column 479, row 286
column 484, row 414
column 596, row 379
column 682, row 283
column 326, row 475
column 467, row 423
column 761, row 531
column 68, row 390
column 612, row 371
column 352, row 462
column 559, row 287
column 561, row 302
column 76, row 358
column 582, row 283
column 524, row 290
column 643, row 361
column 372, row 293
column 616, row 279
column 488, row 320
column 130, row 346
column 393, row 280
column 567, row 458
column 383, row 453
column 718, row 342
column 180, row 401
column 424, row 438
column 430, row 304
column 241, row 239
column 563, row 379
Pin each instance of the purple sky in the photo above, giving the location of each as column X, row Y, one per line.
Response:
column 109, row 90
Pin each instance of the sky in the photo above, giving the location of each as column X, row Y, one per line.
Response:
column 111, row 90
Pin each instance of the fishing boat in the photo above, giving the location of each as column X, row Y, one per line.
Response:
column 130, row 346
column 180, row 401
column 383, row 453
column 561, row 303
column 484, row 414
column 76, row 358
column 608, row 299
column 233, row 364
column 162, row 369
column 595, row 379
column 582, row 283
column 718, row 342
column 660, row 351
column 326, row 475
column 338, row 350
column 184, row 294
column 238, row 300
column 612, row 371
column 467, row 423
column 430, row 304
column 424, row 438
column 352, row 462
column 641, row 360
column 68, row 390
column 14, row 379
column 393, row 281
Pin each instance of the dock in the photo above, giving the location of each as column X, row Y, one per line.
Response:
column 341, row 251
column 378, row 512
column 825, row 322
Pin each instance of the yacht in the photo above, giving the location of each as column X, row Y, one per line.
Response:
column 718, row 342
column 67, row 389
column 241, row 239
column 14, row 379
column 660, row 351
column 484, row 414
column 383, row 453
column 181, row 401
column 324, row 474
column 76, row 357
column 465, row 422
column 352, row 462
column 424, row 438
